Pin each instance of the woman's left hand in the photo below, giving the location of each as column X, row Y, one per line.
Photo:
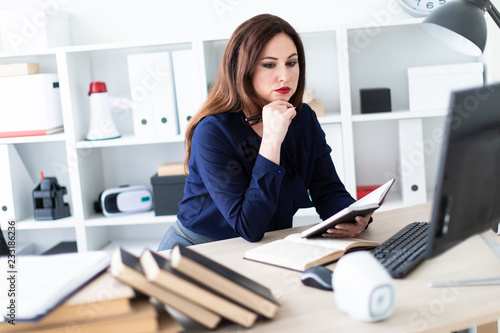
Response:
column 349, row 229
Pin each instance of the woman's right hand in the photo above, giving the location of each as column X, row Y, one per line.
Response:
column 276, row 118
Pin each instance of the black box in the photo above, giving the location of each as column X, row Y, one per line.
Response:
column 62, row 247
column 375, row 100
column 167, row 192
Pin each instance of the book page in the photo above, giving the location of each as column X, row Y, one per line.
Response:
column 290, row 254
column 336, row 244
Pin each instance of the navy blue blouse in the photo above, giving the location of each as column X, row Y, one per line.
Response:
column 233, row 191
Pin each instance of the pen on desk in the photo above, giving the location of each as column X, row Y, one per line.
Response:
column 481, row 282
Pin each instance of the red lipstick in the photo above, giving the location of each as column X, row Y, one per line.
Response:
column 283, row 90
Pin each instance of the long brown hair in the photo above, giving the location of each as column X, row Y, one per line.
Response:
column 232, row 90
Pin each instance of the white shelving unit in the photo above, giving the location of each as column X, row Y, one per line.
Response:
column 340, row 61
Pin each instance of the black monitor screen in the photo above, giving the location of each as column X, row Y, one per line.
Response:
column 467, row 198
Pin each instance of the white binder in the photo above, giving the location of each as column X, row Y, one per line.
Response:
column 412, row 161
column 333, row 134
column 187, row 94
column 16, row 186
column 152, row 94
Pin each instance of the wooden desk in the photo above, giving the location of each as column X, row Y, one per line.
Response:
column 418, row 308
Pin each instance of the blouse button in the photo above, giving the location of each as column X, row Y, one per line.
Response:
column 280, row 171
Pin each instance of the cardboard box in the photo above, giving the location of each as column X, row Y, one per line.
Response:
column 19, row 69
column 430, row 87
column 168, row 191
column 171, row 169
column 33, row 29
column 30, row 105
column 318, row 106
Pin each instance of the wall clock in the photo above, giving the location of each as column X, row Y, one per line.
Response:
column 421, row 7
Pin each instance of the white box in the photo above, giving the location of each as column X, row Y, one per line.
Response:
column 430, row 87
column 34, row 29
column 29, row 105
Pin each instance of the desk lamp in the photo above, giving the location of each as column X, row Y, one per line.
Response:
column 460, row 25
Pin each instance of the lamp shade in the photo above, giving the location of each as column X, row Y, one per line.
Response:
column 460, row 25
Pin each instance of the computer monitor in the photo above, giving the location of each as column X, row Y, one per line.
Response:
column 467, row 196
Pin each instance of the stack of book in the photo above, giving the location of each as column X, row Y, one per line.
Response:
column 103, row 305
column 196, row 286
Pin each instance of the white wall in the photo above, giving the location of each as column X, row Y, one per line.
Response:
column 104, row 21
column 101, row 21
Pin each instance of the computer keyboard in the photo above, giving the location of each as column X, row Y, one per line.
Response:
column 404, row 250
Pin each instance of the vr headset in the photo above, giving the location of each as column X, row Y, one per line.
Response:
column 124, row 200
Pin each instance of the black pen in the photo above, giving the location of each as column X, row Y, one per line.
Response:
column 257, row 117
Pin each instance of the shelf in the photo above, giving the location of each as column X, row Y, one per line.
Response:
column 330, row 119
column 30, row 224
column 393, row 200
column 391, row 23
column 397, row 115
column 50, row 51
column 129, row 219
column 136, row 247
column 161, row 42
column 124, row 45
column 306, row 212
column 59, row 137
column 127, row 140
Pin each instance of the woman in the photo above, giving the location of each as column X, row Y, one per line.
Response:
column 255, row 152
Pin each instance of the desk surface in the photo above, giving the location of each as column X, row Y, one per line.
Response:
column 418, row 308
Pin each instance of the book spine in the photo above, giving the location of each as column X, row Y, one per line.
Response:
column 128, row 269
column 228, row 288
